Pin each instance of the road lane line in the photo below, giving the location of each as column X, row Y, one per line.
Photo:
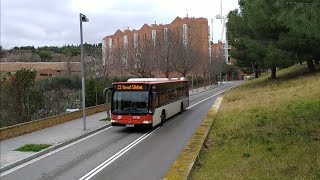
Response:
column 111, row 159
column 195, row 104
column 50, row 153
column 116, row 156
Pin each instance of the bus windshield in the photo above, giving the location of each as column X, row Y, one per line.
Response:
column 130, row 102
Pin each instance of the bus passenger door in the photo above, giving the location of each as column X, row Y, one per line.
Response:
column 155, row 110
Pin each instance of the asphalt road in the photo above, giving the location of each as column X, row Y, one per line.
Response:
column 123, row 153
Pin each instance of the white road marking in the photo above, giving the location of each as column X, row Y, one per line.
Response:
column 50, row 153
column 209, row 98
column 116, row 156
column 111, row 159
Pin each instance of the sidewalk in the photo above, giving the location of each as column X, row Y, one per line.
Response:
column 57, row 136
column 54, row 136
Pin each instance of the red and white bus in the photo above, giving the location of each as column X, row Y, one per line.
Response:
column 147, row 101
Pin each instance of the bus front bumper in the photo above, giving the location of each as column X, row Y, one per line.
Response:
column 146, row 124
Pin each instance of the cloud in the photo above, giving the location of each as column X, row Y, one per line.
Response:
column 38, row 22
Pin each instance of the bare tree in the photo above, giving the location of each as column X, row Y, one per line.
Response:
column 184, row 59
column 94, row 64
column 167, row 51
column 118, row 61
column 142, row 61
column 204, row 67
column 107, row 60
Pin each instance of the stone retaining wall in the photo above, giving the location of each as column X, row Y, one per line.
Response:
column 28, row 127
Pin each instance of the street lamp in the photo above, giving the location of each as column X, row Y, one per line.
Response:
column 223, row 20
column 83, row 18
column 210, row 53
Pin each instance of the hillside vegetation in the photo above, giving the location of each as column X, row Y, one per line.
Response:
column 266, row 129
column 66, row 53
column 271, row 34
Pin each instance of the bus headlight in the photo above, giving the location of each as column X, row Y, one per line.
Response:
column 146, row 122
column 113, row 121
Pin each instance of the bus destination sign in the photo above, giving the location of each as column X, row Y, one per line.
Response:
column 123, row 87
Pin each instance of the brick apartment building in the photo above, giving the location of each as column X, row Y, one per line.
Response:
column 192, row 32
column 219, row 54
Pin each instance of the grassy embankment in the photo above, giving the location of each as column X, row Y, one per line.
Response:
column 266, row 129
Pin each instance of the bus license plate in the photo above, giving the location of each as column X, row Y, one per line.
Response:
column 129, row 125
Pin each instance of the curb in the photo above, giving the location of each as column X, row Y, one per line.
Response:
column 209, row 88
column 45, row 151
column 188, row 157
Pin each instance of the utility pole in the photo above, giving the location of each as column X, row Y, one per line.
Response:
column 220, row 67
column 192, row 83
column 225, row 49
column 83, row 19
column 211, row 51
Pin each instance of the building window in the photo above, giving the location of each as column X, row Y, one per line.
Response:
column 165, row 30
column 185, row 34
column 104, row 52
column 135, row 40
column 165, row 35
column 125, row 41
column 154, row 35
column 125, row 47
column 110, row 43
column 110, row 46
column 136, row 46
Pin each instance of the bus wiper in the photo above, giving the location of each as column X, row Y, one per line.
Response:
column 131, row 108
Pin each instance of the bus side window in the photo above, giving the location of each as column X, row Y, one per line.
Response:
column 162, row 97
column 154, row 100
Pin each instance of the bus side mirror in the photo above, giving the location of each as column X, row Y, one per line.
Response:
column 105, row 93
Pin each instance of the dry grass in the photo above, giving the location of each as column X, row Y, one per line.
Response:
column 267, row 129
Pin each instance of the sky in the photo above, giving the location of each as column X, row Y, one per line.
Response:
column 56, row 22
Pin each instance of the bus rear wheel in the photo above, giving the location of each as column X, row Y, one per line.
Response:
column 181, row 109
column 163, row 118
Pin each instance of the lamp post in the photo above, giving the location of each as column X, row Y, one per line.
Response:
column 83, row 18
column 220, row 69
column 96, row 75
column 223, row 20
column 211, row 49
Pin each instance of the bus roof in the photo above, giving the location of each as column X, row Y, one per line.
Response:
column 148, row 79
column 150, row 82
